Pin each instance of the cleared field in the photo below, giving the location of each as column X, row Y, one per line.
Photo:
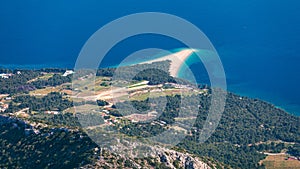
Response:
column 86, row 108
column 45, row 91
column 280, row 162
column 157, row 93
column 43, row 77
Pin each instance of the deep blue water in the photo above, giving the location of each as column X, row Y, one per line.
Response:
column 258, row 41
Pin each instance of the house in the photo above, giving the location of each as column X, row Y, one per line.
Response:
column 8, row 98
column 68, row 72
column 5, row 75
column 105, row 111
column 51, row 112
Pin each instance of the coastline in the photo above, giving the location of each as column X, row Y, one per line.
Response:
column 177, row 60
column 282, row 104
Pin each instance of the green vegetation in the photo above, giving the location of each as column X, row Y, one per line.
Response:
column 50, row 148
column 247, row 129
column 18, row 82
column 55, row 80
column 102, row 103
column 106, row 72
column 154, row 76
column 244, row 123
column 52, row 101
column 294, row 150
column 58, row 120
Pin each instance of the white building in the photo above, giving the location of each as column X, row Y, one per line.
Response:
column 5, row 75
column 52, row 112
column 68, row 72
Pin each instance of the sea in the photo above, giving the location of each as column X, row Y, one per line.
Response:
column 257, row 41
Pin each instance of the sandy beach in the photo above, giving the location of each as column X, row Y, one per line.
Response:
column 177, row 59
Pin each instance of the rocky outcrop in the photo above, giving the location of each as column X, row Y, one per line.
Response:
column 175, row 159
column 162, row 158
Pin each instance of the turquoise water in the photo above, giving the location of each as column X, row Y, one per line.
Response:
column 194, row 59
column 258, row 41
column 245, row 88
column 143, row 57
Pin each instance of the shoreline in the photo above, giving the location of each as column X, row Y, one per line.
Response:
column 283, row 105
column 177, row 60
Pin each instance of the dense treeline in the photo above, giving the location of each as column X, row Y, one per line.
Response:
column 102, row 103
column 154, row 76
column 106, row 72
column 129, row 72
column 52, row 101
column 53, row 70
column 238, row 157
column 270, row 147
column 17, row 83
column 294, row 150
column 248, row 121
column 141, row 106
column 244, row 123
column 51, row 148
column 142, row 130
column 55, row 80
column 171, row 110
column 63, row 119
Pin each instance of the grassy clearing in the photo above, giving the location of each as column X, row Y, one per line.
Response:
column 64, row 88
column 45, row 91
column 168, row 92
column 280, row 162
column 139, row 85
column 43, row 77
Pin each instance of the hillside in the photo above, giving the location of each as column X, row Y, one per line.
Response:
column 40, row 126
column 43, row 145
